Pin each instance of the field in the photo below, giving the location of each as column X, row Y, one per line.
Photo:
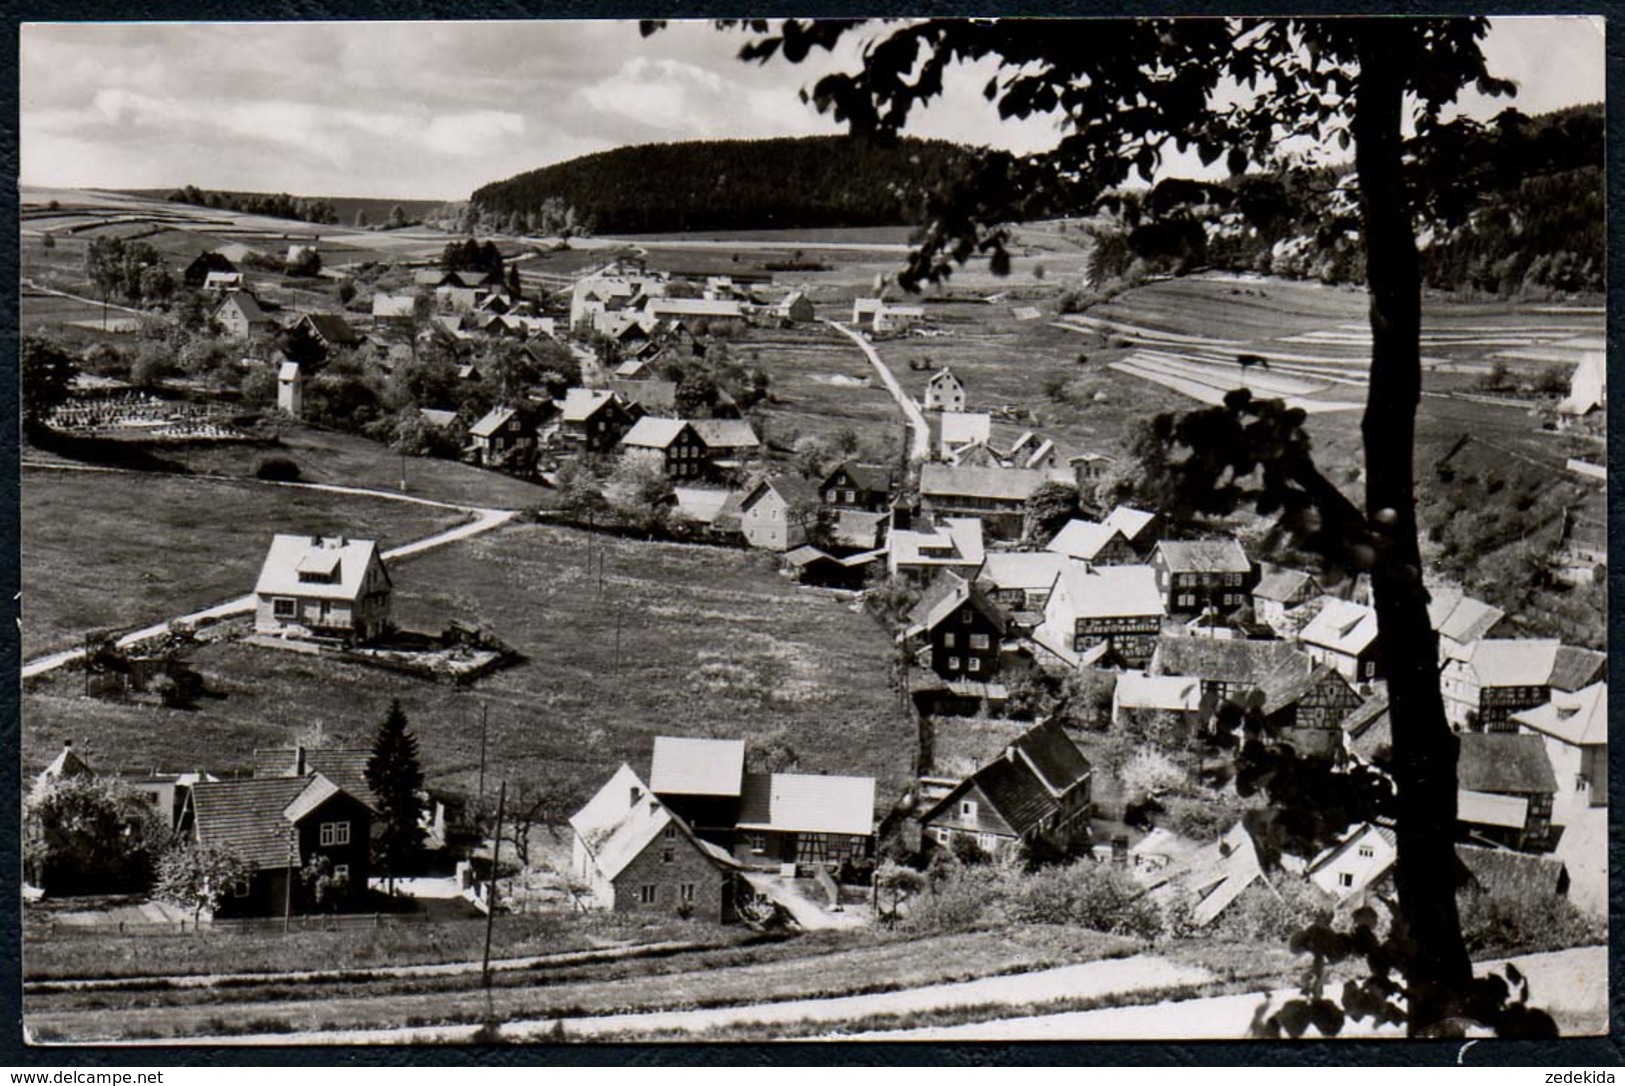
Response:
column 711, row 642
column 821, row 385
column 101, row 549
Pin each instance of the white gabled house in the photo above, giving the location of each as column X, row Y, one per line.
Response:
column 322, row 585
column 944, row 392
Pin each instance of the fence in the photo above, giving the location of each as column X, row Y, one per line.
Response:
column 39, row 931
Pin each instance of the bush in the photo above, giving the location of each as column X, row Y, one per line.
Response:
column 957, row 903
column 1089, row 895
column 1495, row 925
column 277, row 469
column 1273, row 912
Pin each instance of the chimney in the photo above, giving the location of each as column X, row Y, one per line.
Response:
column 67, row 744
column 637, row 794
column 299, row 760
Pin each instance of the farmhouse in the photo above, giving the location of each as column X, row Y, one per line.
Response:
column 1086, row 541
column 594, row 420
column 896, row 318
column 963, row 629
column 1501, row 677
column 1140, row 528
column 1089, row 469
column 1304, row 707
column 635, row 855
column 501, row 432
column 944, row 392
column 1363, row 856
column 804, row 819
column 858, row 486
column 393, row 306
column 958, row 429
column 1504, row 790
column 701, row 781
column 323, row 586
column 1020, row 581
column 863, row 308
column 1343, row 635
column 794, row 307
column 1137, row 692
column 812, row 566
column 281, row 827
column 728, row 442
column 773, row 514
column 198, row 271
column 671, row 445
column 240, row 315
column 1109, row 614
column 1574, row 727
column 219, row 282
column 1203, row 574
column 1461, row 621
column 331, row 330
column 918, row 555
column 711, row 310
column 995, row 496
column 1037, row 791
column 1277, row 593
column 1228, row 669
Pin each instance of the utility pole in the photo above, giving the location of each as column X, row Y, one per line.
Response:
column 403, row 471
column 479, row 803
column 287, row 886
column 491, row 892
column 617, row 639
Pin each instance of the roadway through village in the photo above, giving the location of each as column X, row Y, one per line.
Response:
column 482, row 521
column 921, row 442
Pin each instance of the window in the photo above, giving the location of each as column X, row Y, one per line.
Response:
column 671, row 833
column 973, row 663
column 284, row 608
column 987, row 842
column 341, row 872
column 833, row 496
column 1367, row 852
column 335, row 833
column 758, row 843
column 948, row 640
column 940, row 835
column 685, row 892
column 953, row 663
column 1187, row 600
column 668, row 855
column 239, row 888
column 646, row 895
column 967, row 808
column 965, row 617
column 1345, row 879
column 851, row 496
column 978, row 641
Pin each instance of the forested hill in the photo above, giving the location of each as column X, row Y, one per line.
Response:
column 812, row 181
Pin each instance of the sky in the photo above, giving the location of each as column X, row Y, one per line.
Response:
column 434, row 110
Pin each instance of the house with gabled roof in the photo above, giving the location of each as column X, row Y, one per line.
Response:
column 1140, row 528
column 729, row 443
column 944, row 392
column 502, row 432
column 1020, row 581
column 1197, row 575
column 331, row 330
column 1574, row 728
column 851, row 485
column 995, row 496
column 1178, row 695
column 794, row 307
column 671, row 445
column 1089, row 469
column 775, row 512
column 394, row 306
column 279, row 827
column 1036, row 790
column 1504, row 790
column 1211, row 879
column 240, row 315
column 808, row 820
column 1361, row 857
column 636, row 856
column 1343, row 635
column 918, row 554
column 219, row 282
column 1102, row 614
column 198, row 271
column 1228, row 669
column 1460, row 621
column 1500, row 677
column 963, row 629
column 290, row 388
column 594, row 420
column 323, row 586
column 1368, row 732
column 865, row 308
column 1278, row 592
column 701, row 780
column 650, row 395
column 1086, row 541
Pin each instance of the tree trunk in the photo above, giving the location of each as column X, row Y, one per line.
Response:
column 1424, row 746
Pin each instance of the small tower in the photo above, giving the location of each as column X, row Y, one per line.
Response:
column 290, row 389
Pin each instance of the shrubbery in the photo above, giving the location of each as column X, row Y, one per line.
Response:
column 277, row 469
column 1495, row 925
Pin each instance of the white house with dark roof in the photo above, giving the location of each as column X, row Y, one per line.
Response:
column 1086, row 541
column 1362, row 856
column 1277, row 593
column 1139, row 527
column 323, row 586
column 944, row 392
column 1503, row 676
column 995, row 496
column 241, row 315
column 774, row 513
column 1020, row 581
column 1102, row 613
column 1343, row 635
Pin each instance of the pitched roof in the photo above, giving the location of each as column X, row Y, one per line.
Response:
column 944, row 374
column 1576, row 667
column 651, row 432
column 623, row 817
column 1169, row 693
column 966, row 427
column 435, row 417
column 1342, row 626
column 697, row 767
column 957, row 542
column 393, row 305
column 808, row 803
column 872, row 477
column 1028, row 570
column 1083, row 539
column 1579, row 718
column 1108, row 592
column 1288, row 683
column 1369, row 728
column 288, row 371
column 254, row 817
column 492, row 421
column 1506, row 662
column 1506, row 873
column 857, row 528
column 248, row 304
column 792, row 488
column 1218, row 873
column 1004, row 484
column 1204, row 556
column 1282, row 585
column 938, row 604
column 1050, row 752
column 333, row 328
column 292, row 554
column 726, row 433
column 648, row 394
column 66, row 764
column 1505, row 764
column 1461, row 618
column 1491, row 809
column 1224, row 659
column 694, row 307
column 1128, row 520
column 344, row 766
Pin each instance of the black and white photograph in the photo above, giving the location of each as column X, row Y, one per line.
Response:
column 755, row 530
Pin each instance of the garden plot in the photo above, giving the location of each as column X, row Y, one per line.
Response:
column 1209, row 382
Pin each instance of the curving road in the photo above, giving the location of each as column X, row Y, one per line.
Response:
column 484, row 520
column 921, row 431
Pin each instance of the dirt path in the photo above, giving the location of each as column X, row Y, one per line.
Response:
column 483, row 520
column 1083, row 981
column 920, row 446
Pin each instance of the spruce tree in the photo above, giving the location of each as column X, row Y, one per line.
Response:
column 396, row 777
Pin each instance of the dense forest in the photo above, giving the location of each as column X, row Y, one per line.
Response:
column 807, row 182
column 1514, row 207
